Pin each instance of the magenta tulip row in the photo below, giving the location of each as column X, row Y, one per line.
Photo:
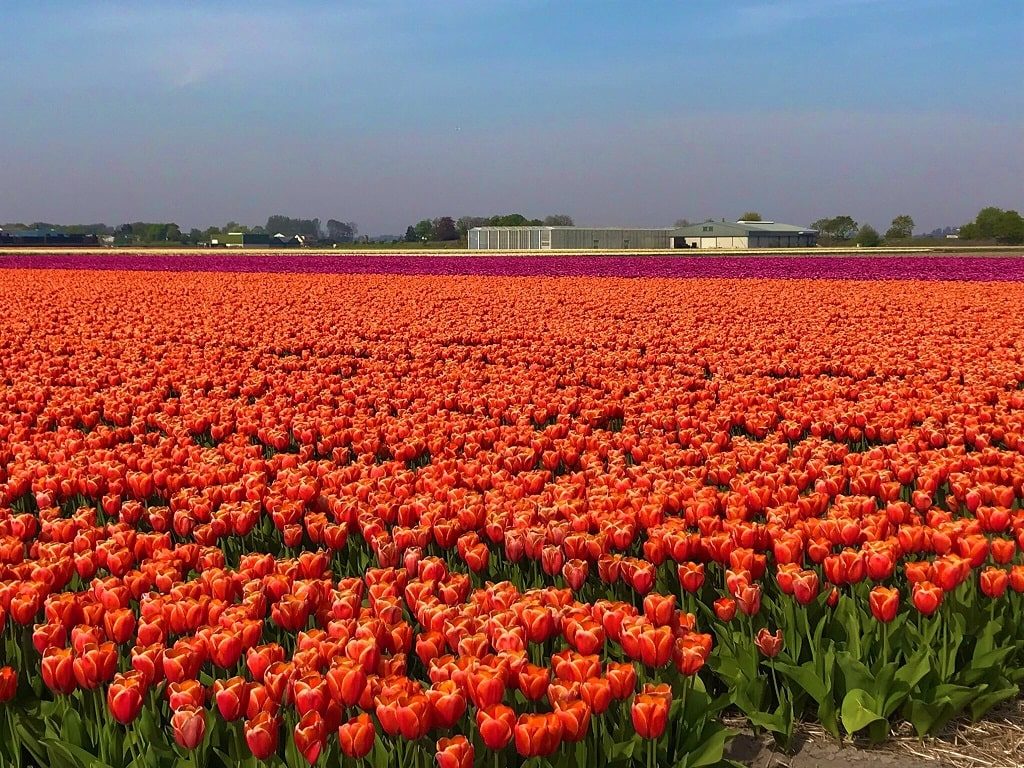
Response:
column 976, row 267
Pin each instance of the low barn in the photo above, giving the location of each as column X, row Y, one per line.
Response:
column 26, row 237
column 743, row 234
column 710, row 234
column 566, row 238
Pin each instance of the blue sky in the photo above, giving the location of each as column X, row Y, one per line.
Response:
column 632, row 113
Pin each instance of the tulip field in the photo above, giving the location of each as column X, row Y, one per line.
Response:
column 590, row 513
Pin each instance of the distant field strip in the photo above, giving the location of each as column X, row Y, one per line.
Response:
column 974, row 267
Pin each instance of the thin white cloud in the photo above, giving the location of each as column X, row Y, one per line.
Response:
column 183, row 46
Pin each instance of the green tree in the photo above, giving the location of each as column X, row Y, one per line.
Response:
column 511, row 220
column 902, row 227
column 751, row 216
column 154, row 232
column 991, row 223
column 410, row 235
column 288, row 226
column 837, row 228
column 1010, row 228
column 558, row 220
column 868, row 237
column 342, row 231
column 466, row 223
column 969, row 232
column 444, row 229
column 424, row 230
column 988, row 220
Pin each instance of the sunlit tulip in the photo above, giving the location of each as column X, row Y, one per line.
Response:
column 231, row 697
column 538, row 735
column 495, row 725
column 189, row 727
column 447, row 702
column 649, row 713
column 58, row 670
column 454, row 752
column 262, row 734
column 725, row 608
column 309, row 736
column 124, row 696
column 927, row 597
column 884, row 603
column 805, row 587
column 622, row 678
column 356, row 736
column 993, row 582
column 767, row 643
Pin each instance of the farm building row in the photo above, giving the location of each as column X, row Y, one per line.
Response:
column 709, row 234
column 27, row 237
column 261, row 240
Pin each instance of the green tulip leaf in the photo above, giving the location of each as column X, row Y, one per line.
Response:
column 71, row 731
column 986, row 701
column 807, row 678
column 855, row 674
column 710, row 752
column 859, row 710
column 915, row 669
column 75, row 755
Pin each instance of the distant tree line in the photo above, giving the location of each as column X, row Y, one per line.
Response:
column 1005, row 227
column 990, row 225
column 445, row 228
column 68, row 229
column 144, row 233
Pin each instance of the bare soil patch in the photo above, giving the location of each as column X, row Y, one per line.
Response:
column 996, row 742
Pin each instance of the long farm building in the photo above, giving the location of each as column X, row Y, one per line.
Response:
column 706, row 235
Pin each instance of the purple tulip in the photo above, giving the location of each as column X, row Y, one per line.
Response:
column 875, row 267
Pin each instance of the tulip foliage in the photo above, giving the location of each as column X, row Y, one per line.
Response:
column 297, row 520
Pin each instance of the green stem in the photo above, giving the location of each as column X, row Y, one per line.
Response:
column 885, row 643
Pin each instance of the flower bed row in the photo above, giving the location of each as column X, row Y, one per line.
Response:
column 284, row 520
column 974, row 267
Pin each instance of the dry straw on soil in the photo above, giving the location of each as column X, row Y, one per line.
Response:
column 996, row 742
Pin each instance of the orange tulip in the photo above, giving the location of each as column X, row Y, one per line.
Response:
column 770, row 645
column 356, row 736
column 495, row 725
column 189, row 727
column 262, row 735
column 231, row 697
column 9, row 684
column 650, row 715
column 927, row 597
column 884, row 603
column 538, row 735
column 993, row 582
column 454, row 752
column 124, row 696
